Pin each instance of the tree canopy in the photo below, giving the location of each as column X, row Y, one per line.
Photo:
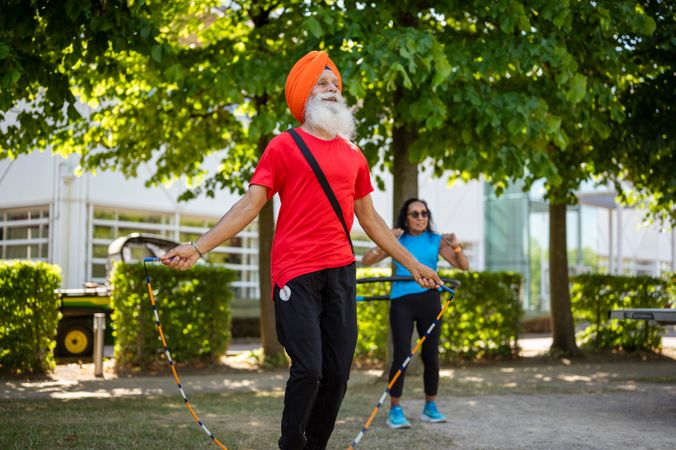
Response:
column 644, row 144
column 565, row 91
column 44, row 45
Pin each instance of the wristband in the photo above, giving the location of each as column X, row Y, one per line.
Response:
column 197, row 248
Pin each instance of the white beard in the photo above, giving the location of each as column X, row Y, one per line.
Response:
column 332, row 117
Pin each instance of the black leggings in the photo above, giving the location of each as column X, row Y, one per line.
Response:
column 422, row 309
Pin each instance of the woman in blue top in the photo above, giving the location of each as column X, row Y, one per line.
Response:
column 412, row 304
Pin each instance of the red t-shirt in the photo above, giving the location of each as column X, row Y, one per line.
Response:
column 309, row 237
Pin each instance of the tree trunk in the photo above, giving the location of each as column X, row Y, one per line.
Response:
column 563, row 327
column 405, row 182
column 266, row 229
column 273, row 352
column 404, row 172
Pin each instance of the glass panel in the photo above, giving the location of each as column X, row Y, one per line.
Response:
column 33, row 251
column 98, row 270
column 235, row 242
column 185, row 237
column 17, row 252
column 37, row 213
column 235, row 258
column 100, row 251
column 17, row 215
column 128, row 216
column 104, row 214
column 103, row 232
column 126, row 231
column 138, row 253
column 217, row 258
column 193, row 222
column 17, row 233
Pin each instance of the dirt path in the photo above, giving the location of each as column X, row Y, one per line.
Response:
column 643, row 418
column 532, row 403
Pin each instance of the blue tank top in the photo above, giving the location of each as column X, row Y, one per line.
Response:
column 425, row 247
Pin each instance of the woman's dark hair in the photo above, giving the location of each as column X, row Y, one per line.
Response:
column 401, row 220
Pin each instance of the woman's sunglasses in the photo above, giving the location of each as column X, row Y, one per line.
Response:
column 416, row 214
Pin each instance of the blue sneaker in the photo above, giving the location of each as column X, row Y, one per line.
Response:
column 397, row 419
column 431, row 414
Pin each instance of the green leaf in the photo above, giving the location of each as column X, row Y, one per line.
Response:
column 11, row 77
column 174, row 73
column 4, row 50
column 601, row 128
column 145, row 32
column 553, row 123
column 314, row 27
column 73, row 8
column 466, row 135
column 578, row 88
column 156, row 53
column 561, row 139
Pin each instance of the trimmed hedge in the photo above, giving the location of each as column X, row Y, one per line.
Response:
column 29, row 308
column 373, row 319
column 481, row 322
column 193, row 306
column 484, row 319
column 594, row 295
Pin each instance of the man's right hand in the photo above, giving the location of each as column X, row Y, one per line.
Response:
column 182, row 257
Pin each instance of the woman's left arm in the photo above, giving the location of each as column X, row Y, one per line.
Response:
column 451, row 250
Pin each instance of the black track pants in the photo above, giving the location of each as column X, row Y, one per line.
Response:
column 422, row 309
column 317, row 325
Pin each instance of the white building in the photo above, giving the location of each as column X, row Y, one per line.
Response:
column 48, row 214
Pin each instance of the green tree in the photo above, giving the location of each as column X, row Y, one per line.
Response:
column 221, row 90
column 502, row 90
column 208, row 80
column 41, row 42
column 644, row 144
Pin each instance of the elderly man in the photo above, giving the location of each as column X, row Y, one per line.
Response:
column 313, row 265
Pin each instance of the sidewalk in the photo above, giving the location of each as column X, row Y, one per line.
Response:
column 76, row 380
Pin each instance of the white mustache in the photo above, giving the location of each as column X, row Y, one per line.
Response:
column 329, row 95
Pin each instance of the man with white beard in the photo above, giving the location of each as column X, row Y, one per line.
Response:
column 313, row 264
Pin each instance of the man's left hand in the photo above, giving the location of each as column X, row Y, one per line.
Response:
column 426, row 277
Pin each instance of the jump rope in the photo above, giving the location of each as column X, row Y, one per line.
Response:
column 408, row 359
column 171, row 361
column 396, row 376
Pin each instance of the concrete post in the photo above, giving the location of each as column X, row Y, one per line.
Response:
column 99, row 328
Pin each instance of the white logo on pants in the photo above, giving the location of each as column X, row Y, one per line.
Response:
column 285, row 293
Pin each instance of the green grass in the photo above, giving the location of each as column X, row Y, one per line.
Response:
column 251, row 420
column 239, row 420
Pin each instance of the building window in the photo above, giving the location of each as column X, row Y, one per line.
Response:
column 239, row 253
column 24, row 233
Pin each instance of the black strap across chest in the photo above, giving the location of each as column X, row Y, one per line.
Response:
column 322, row 181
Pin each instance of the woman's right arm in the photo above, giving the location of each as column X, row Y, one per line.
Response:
column 373, row 256
column 377, row 254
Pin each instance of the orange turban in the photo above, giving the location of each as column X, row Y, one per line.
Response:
column 303, row 77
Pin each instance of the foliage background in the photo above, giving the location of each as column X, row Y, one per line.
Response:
column 481, row 322
column 595, row 295
column 29, row 315
column 194, row 310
